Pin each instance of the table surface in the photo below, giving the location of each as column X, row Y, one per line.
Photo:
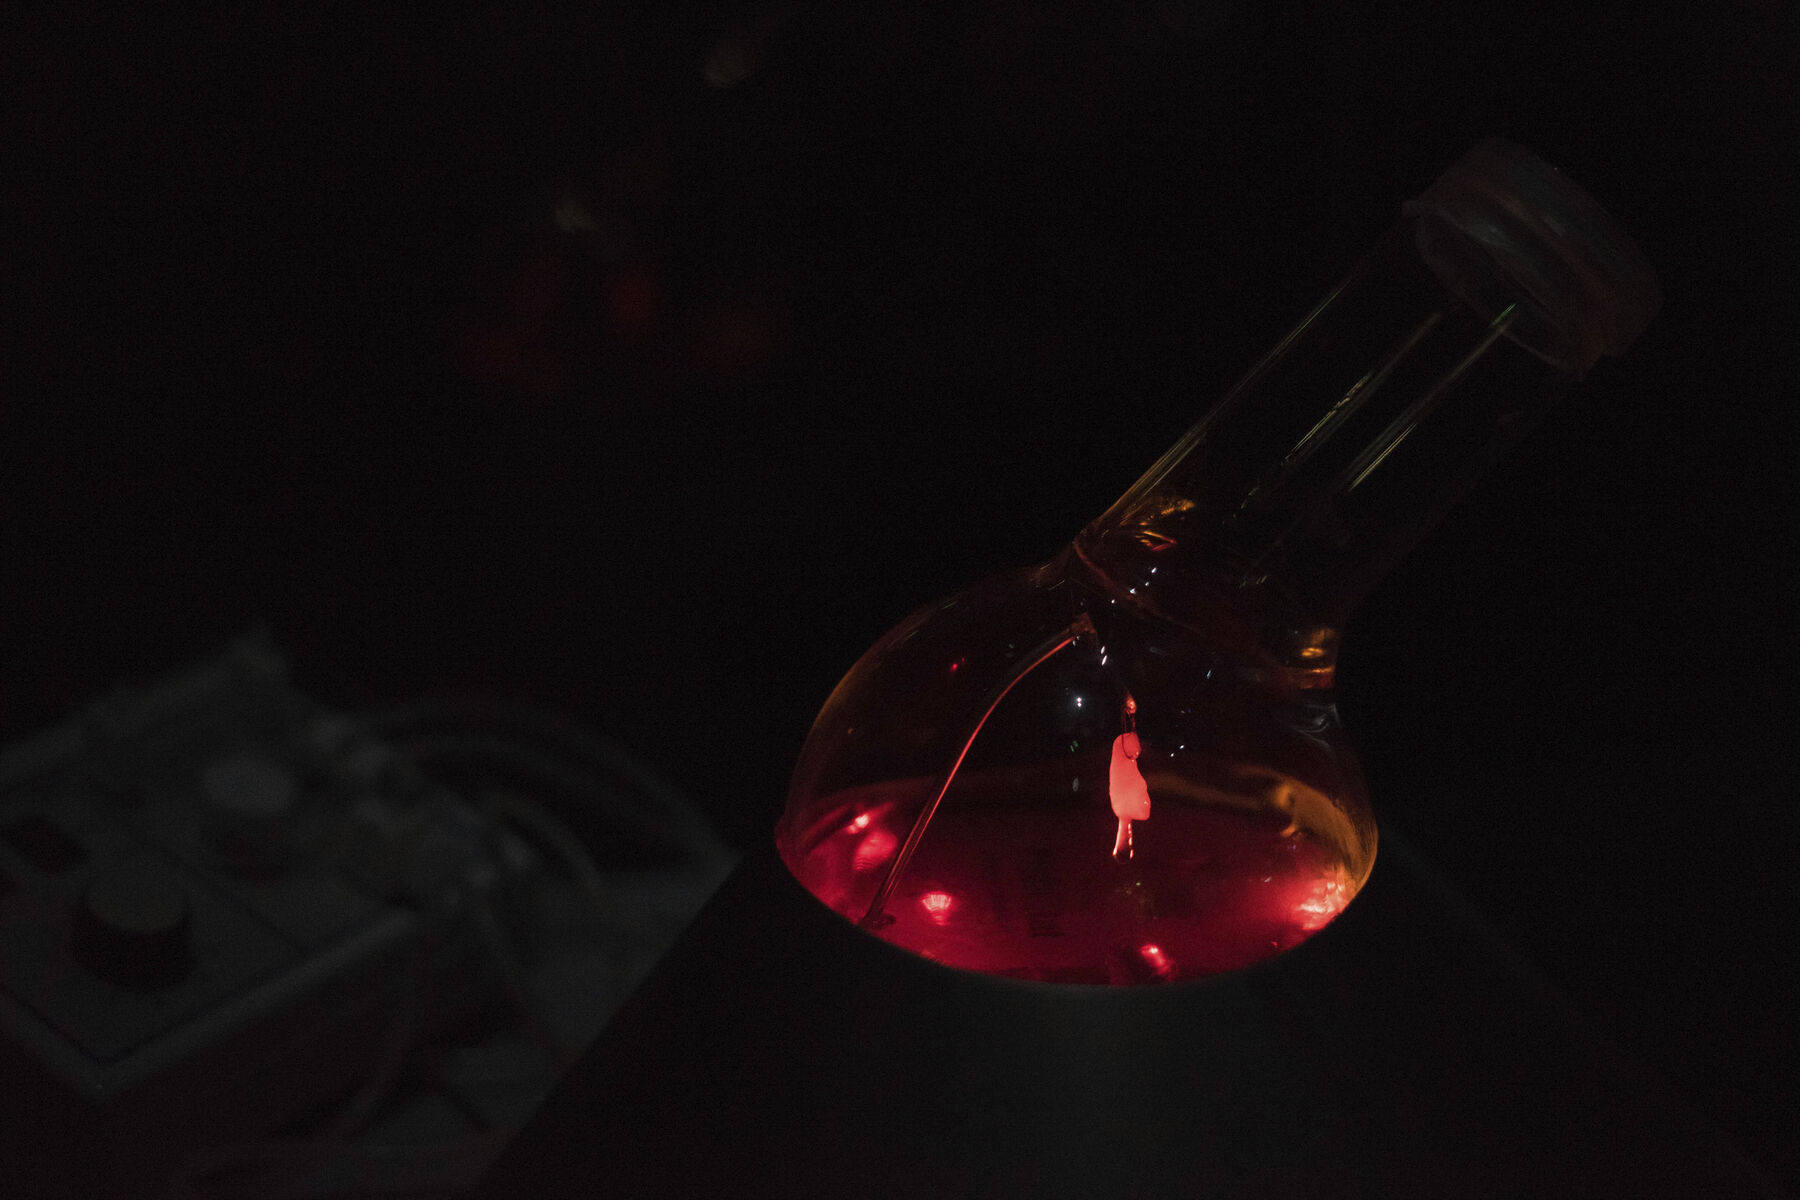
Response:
column 1406, row 1050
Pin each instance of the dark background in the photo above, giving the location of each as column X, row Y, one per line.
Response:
column 648, row 361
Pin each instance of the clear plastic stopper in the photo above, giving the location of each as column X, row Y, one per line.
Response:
column 1502, row 226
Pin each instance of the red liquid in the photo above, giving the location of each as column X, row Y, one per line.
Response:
column 1035, row 892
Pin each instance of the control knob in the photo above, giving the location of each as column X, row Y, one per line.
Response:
column 132, row 924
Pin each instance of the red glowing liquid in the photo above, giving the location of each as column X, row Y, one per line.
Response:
column 1034, row 891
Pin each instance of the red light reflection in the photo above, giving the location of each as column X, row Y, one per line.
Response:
column 1045, row 901
column 874, row 850
column 1324, row 900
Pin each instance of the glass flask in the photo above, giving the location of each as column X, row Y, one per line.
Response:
column 1125, row 765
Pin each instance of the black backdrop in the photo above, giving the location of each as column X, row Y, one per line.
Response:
column 649, row 364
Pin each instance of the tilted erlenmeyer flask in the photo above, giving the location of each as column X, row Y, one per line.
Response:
column 1125, row 765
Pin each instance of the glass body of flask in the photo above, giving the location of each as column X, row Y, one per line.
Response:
column 1125, row 765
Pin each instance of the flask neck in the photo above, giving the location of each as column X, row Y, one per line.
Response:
column 1337, row 452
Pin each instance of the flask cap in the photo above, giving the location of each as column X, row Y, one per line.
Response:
column 1503, row 227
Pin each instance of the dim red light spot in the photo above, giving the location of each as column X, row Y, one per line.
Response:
column 874, row 850
column 734, row 338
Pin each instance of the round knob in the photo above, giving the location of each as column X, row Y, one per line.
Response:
column 132, row 925
column 250, row 800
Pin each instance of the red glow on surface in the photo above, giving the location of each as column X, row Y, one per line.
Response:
column 1324, row 900
column 1033, row 894
column 633, row 300
column 937, row 906
column 874, row 849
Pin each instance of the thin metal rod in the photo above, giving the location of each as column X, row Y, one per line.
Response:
column 1148, row 482
column 1352, row 401
column 1419, row 409
column 1397, row 431
column 1083, row 626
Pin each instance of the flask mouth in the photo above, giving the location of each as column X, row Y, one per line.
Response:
column 1503, row 227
